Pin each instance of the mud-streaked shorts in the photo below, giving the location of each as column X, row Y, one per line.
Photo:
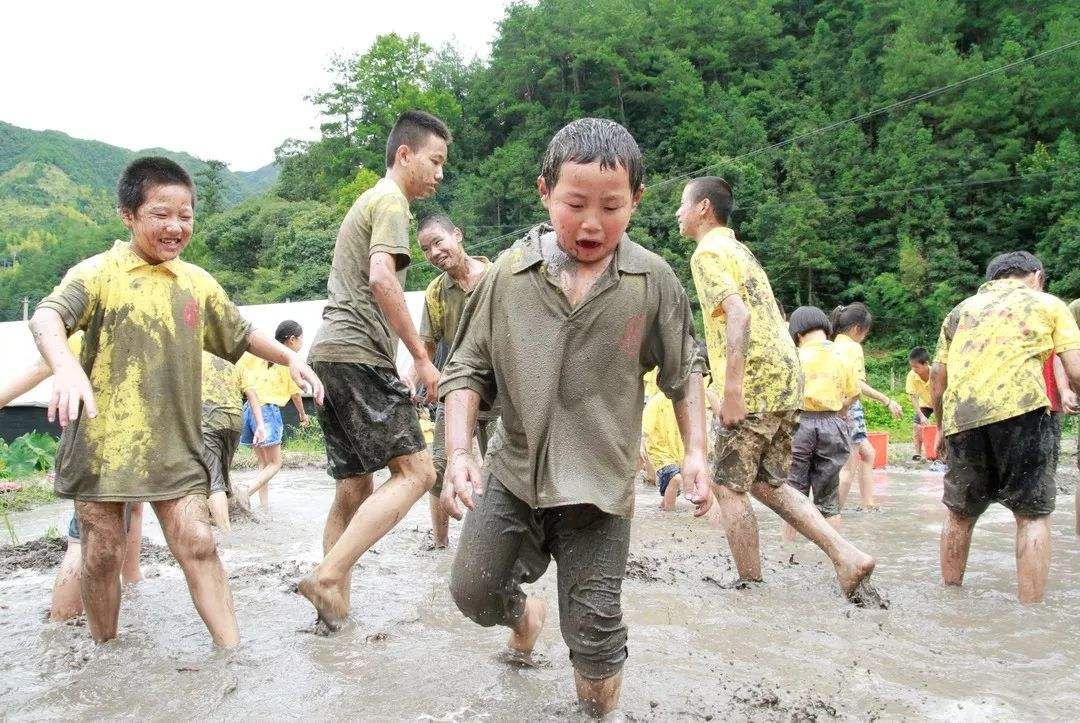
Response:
column 485, row 427
column 367, row 418
column 219, row 446
column 821, row 446
column 757, row 450
column 1012, row 462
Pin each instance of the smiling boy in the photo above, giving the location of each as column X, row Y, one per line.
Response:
column 147, row 316
column 561, row 330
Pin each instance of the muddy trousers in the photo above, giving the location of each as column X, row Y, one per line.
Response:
column 505, row 543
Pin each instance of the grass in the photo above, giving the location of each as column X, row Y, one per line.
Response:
column 30, row 495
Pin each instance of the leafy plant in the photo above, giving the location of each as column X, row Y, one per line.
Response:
column 32, row 452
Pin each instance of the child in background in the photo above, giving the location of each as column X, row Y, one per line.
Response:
column 851, row 325
column 822, row 441
column 274, row 387
column 918, row 390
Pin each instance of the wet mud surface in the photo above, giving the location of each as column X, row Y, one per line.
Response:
column 701, row 647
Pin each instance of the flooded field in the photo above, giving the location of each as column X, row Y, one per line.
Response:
column 699, row 648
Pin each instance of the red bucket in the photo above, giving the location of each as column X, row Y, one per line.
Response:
column 880, row 442
column 929, row 441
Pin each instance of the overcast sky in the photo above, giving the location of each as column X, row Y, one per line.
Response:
column 223, row 79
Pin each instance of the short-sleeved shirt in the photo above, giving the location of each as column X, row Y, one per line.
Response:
column 354, row 328
column 146, row 327
column 994, row 345
column 568, row 378
column 223, row 388
column 829, row 377
column 273, row 383
column 723, row 267
column 919, row 388
column 853, row 351
column 663, row 442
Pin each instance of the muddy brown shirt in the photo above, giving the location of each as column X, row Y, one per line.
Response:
column 145, row 330
column 354, row 328
column 568, row 378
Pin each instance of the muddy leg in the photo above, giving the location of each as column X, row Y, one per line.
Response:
column 130, row 572
column 270, row 465
column 741, row 530
column 440, row 522
column 101, row 531
column 66, row 596
column 524, row 633
column 671, row 494
column 219, row 510
column 866, row 476
column 410, row 477
column 186, row 524
column 848, row 472
column 348, row 496
column 598, row 697
column 955, row 545
column 852, row 565
column 1032, row 557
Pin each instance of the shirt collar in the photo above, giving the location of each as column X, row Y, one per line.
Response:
column 129, row 260
column 1003, row 285
column 391, row 186
column 629, row 257
column 482, row 259
column 720, row 233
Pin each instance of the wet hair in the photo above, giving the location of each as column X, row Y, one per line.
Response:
column 412, row 129
column 286, row 329
column 717, row 191
column 144, row 173
column 806, row 319
column 1013, row 265
column 436, row 219
column 919, row 355
column 847, row 317
column 588, row 140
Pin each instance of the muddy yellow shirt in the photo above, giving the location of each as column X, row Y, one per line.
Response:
column 354, row 328
column 1075, row 309
column 273, row 383
column 650, row 384
column 660, row 428
column 915, row 385
column 993, row 346
column 852, row 351
column 223, row 390
column 830, row 377
column 145, row 331
column 723, row 267
column 444, row 301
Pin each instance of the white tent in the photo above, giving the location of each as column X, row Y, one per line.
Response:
column 20, row 352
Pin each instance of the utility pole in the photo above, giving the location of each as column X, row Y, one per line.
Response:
column 25, row 308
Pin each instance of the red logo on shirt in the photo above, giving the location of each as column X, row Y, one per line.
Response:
column 191, row 313
column 631, row 340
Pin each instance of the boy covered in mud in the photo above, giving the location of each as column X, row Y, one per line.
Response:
column 369, row 420
column 130, row 403
column 561, row 331
column 756, row 366
column 444, row 300
column 990, row 396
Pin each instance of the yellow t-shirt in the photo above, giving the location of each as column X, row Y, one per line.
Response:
column 272, row 382
column 852, row 351
column 994, row 345
column 723, row 267
column 915, row 385
column 661, row 430
column 649, row 378
column 830, row 377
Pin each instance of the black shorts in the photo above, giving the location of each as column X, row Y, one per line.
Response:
column 1012, row 462
column 367, row 418
column 219, row 446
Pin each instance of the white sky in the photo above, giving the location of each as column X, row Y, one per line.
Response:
column 223, row 79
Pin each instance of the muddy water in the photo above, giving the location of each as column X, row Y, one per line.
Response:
column 698, row 648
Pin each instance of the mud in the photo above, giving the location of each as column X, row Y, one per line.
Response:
column 701, row 646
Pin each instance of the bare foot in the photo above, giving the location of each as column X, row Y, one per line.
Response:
column 329, row 603
column 523, row 638
column 852, row 571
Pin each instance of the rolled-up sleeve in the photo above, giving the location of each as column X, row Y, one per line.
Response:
column 74, row 296
column 469, row 365
column 671, row 345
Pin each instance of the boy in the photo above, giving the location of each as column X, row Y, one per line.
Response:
column 147, row 316
column 991, row 399
column 664, row 447
column 755, row 364
column 444, row 300
column 561, row 330
column 918, row 391
column 369, row 421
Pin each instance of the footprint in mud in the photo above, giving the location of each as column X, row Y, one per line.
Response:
column 518, row 659
column 867, row 596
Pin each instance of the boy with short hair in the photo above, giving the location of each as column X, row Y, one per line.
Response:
column 755, row 363
column 990, row 397
column 147, row 317
column 562, row 329
column 917, row 387
column 369, row 420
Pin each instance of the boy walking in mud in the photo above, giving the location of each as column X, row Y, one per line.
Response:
column 561, row 331
column 130, row 404
column 369, row 420
column 991, row 399
column 755, row 364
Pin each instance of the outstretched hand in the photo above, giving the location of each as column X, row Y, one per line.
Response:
column 70, row 388
column 895, row 409
column 462, row 483
column 698, row 483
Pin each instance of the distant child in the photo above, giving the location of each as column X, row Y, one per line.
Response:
column 822, row 441
column 274, row 387
column 851, row 326
column 918, row 390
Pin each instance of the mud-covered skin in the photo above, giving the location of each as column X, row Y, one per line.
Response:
column 223, row 387
column 367, row 418
column 484, row 429
column 145, row 331
column 722, row 267
column 819, row 449
column 830, row 378
column 993, row 346
column 758, row 449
